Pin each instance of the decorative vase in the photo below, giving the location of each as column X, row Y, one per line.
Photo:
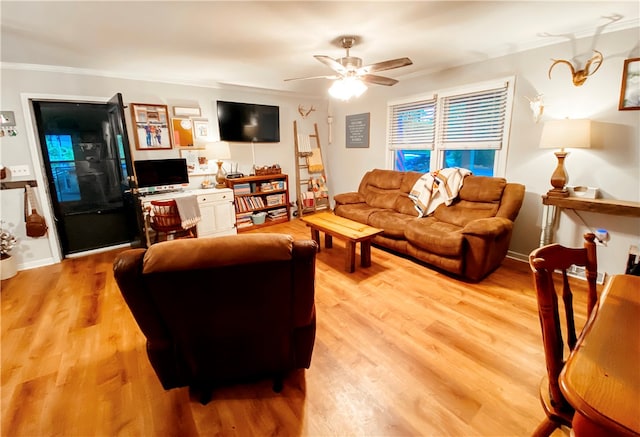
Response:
column 8, row 267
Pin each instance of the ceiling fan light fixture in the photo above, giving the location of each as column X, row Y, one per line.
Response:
column 346, row 88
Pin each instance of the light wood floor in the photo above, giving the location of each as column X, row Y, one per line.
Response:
column 400, row 350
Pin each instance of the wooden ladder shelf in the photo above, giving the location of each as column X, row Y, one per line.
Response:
column 311, row 180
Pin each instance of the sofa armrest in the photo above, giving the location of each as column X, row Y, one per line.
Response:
column 127, row 270
column 491, row 227
column 487, row 245
column 348, row 198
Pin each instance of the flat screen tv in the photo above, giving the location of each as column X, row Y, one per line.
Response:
column 161, row 172
column 248, row 122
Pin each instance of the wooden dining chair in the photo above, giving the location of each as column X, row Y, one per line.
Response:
column 166, row 219
column 544, row 261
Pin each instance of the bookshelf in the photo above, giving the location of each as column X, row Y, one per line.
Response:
column 256, row 194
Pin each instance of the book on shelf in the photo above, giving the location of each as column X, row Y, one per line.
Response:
column 244, row 188
column 277, row 213
column 275, row 199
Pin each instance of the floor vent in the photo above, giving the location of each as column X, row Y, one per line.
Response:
column 578, row 272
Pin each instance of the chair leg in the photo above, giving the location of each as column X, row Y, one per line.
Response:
column 202, row 391
column 278, row 383
column 545, row 428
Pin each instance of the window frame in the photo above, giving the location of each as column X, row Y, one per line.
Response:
column 439, row 148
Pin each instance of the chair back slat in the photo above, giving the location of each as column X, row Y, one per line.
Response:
column 166, row 218
column 544, row 262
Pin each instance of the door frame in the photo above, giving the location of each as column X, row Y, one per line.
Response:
column 37, row 163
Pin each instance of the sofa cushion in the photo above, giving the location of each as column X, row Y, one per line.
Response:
column 404, row 205
column 482, row 189
column 382, row 200
column 435, row 236
column 478, row 198
column 409, row 180
column 393, row 223
column 359, row 212
column 462, row 212
column 384, row 180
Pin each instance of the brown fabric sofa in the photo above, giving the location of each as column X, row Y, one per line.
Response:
column 223, row 310
column 469, row 238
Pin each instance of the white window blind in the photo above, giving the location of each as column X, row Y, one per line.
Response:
column 473, row 121
column 412, row 125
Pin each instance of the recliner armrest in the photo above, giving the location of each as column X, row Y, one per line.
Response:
column 348, row 198
column 491, row 226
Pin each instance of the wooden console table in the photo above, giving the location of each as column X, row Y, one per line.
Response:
column 602, row 206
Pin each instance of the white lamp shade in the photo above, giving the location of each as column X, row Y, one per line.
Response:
column 218, row 150
column 567, row 133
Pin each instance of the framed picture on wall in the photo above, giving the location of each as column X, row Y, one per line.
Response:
column 151, row 123
column 182, row 129
column 193, row 159
column 200, row 129
column 630, row 89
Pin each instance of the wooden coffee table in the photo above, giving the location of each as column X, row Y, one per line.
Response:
column 348, row 230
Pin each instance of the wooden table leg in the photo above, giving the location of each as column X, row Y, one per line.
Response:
column 350, row 259
column 365, row 253
column 328, row 241
column 315, row 236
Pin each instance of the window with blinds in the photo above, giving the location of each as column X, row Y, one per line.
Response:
column 412, row 125
column 473, row 121
column 465, row 127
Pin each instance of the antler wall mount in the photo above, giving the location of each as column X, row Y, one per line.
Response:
column 580, row 76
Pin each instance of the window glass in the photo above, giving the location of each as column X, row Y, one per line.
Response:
column 480, row 162
column 412, row 160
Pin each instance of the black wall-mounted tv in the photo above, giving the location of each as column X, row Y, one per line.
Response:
column 248, row 122
column 161, row 172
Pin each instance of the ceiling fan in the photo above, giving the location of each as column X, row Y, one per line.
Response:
column 350, row 67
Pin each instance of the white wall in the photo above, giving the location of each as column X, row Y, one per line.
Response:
column 613, row 164
column 17, row 150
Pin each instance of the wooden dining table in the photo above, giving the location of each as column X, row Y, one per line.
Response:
column 601, row 378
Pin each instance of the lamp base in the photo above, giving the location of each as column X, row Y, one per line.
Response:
column 558, row 192
column 221, row 177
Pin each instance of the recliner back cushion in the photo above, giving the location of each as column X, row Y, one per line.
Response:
column 200, row 253
column 478, row 198
column 405, row 205
column 384, row 179
column 482, row 189
column 382, row 188
column 381, row 200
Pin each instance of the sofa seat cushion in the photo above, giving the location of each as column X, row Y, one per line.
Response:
column 392, row 222
column 358, row 212
column 435, row 236
column 463, row 212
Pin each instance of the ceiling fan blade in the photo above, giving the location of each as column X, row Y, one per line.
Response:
column 385, row 65
column 378, row 80
column 313, row 77
column 331, row 63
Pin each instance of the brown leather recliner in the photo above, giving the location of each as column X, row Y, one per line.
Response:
column 223, row 310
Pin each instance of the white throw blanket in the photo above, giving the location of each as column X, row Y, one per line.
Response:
column 189, row 211
column 436, row 188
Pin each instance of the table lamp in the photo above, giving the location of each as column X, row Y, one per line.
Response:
column 561, row 134
column 219, row 151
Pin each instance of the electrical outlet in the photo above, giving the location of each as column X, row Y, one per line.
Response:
column 19, row 170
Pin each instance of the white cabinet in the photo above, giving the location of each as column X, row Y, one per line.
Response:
column 217, row 212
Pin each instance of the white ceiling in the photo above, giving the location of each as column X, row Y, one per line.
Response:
column 261, row 43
